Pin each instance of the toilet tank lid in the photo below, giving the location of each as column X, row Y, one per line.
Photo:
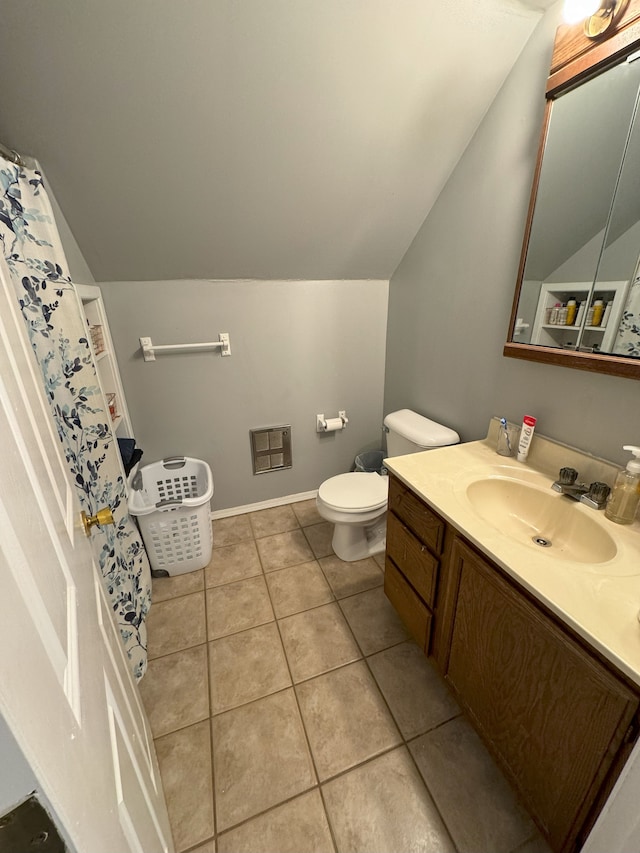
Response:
column 420, row 430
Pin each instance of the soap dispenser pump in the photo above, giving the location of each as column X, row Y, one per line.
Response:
column 625, row 497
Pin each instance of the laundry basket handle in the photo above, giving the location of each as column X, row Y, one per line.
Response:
column 174, row 462
column 169, row 502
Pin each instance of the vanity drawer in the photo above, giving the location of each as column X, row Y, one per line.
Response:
column 413, row 612
column 413, row 559
column 423, row 522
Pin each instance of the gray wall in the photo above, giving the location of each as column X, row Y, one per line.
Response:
column 16, row 777
column 78, row 269
column 298, row 348
column 450, row 298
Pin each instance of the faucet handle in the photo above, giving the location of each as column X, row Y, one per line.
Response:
column 567, row 476
column 599, row 492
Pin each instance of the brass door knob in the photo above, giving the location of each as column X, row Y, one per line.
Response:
column 102, row 517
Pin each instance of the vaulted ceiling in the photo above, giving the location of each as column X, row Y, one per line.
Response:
column 251, row 138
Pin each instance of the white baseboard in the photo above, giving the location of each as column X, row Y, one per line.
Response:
column 240, row 510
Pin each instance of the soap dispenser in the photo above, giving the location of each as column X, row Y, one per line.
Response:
column 625, row 497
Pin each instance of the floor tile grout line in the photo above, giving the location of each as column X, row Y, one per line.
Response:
column 362, row 652
column 195, row 847
column 310, row 609
column 406, row 741
column 253, row 701
column 269, row 509
column 432, row 729
column 310, row 544
column 327, row 671
column 213, row 769
column 266, row 811
column 386, row 751
column 361, row 591
column 242, row 630
column 181, row 728
column 431, row 795
column 304, row 730
column 176, row 652
column 351, row 594
column 258, row 574
column 332, row 600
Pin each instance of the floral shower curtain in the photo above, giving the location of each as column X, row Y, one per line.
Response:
column 33, row 259
column 627, row 340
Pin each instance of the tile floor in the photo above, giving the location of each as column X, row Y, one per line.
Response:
column 291, row 712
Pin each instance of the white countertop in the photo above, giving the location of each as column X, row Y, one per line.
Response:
column 600, row 601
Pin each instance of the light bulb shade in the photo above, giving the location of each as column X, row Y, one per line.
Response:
column 578, row 10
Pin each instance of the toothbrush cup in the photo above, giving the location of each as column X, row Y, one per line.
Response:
column 508, row 438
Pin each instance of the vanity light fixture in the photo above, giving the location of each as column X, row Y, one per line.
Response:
column 598, row 15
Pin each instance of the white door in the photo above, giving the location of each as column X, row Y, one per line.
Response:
column 65, row 687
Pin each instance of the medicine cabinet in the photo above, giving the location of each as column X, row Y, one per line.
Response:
column 582, row 239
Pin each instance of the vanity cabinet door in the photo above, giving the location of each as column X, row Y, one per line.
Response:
column 554, row 716
column 412, row 558
column 427, row 526
column 411, row 609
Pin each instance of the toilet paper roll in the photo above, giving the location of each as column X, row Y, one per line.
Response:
column 333, row 424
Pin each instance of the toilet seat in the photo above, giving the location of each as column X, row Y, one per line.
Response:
column 355, row 493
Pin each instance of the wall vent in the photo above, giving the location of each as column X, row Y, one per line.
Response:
column 271, row 448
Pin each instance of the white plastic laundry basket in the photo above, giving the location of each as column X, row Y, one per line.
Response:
column 171, row 500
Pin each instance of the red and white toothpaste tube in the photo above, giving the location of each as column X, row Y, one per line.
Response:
column 526, row 434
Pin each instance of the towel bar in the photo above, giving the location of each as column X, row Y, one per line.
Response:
column 149, row 349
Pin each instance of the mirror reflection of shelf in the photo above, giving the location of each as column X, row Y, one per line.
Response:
column 579, row 336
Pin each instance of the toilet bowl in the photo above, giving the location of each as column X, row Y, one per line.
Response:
column 356, row 503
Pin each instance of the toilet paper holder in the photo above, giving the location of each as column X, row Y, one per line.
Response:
column 331, row 424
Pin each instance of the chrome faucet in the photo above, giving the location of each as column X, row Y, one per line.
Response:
column 594, row 495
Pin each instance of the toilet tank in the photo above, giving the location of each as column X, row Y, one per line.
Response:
column 409, row 432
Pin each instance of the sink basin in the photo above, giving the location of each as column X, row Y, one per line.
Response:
column 551, row 522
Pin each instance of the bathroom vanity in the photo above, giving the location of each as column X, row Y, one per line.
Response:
column 541, row 649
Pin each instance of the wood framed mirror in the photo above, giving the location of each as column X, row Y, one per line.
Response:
column 577, row 297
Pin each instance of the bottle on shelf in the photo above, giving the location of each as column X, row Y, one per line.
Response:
column 553, row 320
column 562, row 315
column 607, row 311
column 581, row 308
column 572, row 308
column 598, row 310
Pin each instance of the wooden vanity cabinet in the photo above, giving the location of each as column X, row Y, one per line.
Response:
column 559, row 719
column 554, row 716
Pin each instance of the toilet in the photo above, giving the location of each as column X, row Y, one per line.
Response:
column 356, row 503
